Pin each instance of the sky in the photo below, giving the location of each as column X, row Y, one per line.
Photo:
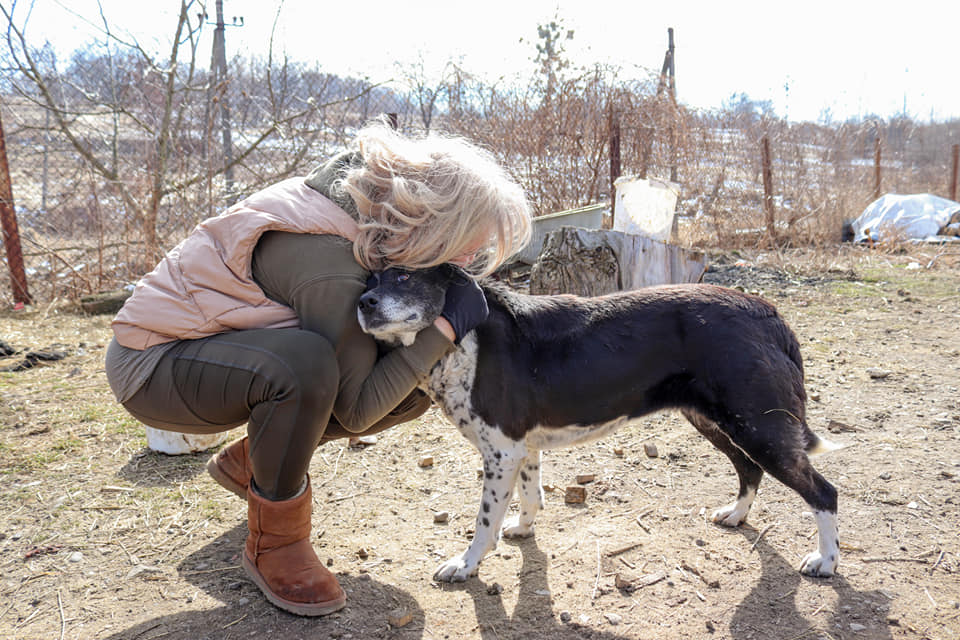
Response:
column 840, row 59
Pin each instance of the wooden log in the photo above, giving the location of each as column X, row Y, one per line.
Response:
column 106, row 302
column 593, row 262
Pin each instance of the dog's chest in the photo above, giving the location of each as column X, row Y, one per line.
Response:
column 451, row 387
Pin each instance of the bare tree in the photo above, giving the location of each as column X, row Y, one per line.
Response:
column 140, row 124
column 425, row 91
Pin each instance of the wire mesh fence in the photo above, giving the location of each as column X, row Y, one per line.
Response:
column 106, row 176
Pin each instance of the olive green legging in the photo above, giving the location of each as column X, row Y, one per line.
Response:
column 281, row 382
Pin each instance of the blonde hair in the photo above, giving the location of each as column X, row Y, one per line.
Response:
column 429, row 200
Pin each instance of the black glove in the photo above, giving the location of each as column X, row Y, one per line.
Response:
column 465, row 305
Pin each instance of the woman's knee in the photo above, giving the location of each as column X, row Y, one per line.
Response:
column 310, row 361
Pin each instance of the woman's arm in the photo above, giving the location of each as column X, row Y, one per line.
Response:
column 318, row 277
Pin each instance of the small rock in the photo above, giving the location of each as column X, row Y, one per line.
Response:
column 362, row 553
column 575, row 495
column 76, row 556
column 618, row 451
column 650, row 449
column 913, row 505
column 877, row 373
column 613, row 618
column 441, row 517
column 400, row 617
column 426, row 461
column 566, row 617
column 585, row 478
column 856, row 626
column 886, row 475
column 815, row 396
column 494, row 589
column 624, row 581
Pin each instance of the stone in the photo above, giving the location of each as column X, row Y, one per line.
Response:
column 400, row 617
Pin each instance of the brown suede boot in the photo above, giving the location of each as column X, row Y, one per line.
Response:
column 230, row 467
column 279, row 558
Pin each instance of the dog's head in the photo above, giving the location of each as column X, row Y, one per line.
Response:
column 398, row 303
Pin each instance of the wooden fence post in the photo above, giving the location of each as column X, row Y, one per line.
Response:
column 876, row 168
column 614, row 121
column 953, row 175
column 11, row 233
column 768, row 189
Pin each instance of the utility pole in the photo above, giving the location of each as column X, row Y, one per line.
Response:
column 218, row 80
column 668, row 82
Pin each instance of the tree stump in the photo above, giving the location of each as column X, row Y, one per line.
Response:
column 593, row 262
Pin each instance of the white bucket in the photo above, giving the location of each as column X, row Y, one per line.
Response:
column 645, row 207
column 174, row 443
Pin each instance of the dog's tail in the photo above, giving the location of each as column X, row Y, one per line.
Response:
column 817, row 445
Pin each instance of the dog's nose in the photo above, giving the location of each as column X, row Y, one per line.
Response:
column 368, row 302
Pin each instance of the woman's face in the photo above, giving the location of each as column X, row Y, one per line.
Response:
column 470, row 253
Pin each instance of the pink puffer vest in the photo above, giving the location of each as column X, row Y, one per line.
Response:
column 204, row 286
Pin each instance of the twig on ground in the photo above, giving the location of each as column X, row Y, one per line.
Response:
column 937, row 563
column 765, row 529
column 63, row 621
column 620, row 550
column 596, row 582
column 889, row 559
column 230, row 624
column 336, row 466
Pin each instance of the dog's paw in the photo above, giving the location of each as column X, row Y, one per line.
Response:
column 818, row 566
column 731, row 515
column 456, row 569
column 513, row 529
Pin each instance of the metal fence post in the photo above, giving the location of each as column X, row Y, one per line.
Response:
column 11, row 233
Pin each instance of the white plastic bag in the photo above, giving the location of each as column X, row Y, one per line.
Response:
column 912, row 216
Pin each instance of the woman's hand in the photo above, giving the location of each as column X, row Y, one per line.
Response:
column 464, row 308
column 444, row 326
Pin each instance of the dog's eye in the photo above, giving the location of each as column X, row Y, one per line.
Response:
column 403, row 277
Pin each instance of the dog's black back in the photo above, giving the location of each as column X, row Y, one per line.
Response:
column 553, row 360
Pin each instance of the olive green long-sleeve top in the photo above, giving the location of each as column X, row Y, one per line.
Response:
column 317, row 276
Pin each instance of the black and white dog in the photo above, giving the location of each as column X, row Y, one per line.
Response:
column 552, row 371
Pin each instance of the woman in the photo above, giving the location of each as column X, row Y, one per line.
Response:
column 252, row 319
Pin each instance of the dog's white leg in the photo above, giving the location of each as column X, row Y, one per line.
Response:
column 502, row 459
column 736, row 512
column 823, row 562
column 531, row 499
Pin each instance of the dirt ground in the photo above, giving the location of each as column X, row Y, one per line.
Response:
column 102, row 538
